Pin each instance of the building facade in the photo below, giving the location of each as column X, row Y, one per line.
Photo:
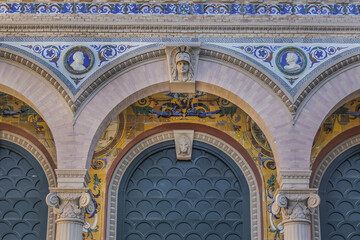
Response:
column 179, row 120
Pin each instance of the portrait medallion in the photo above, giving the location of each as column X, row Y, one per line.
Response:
column 291, row 61
column 79, row 60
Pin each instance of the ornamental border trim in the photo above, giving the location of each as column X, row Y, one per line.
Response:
column 159, row 8
column 169, row 135
column 319, row 173
column 40, row 157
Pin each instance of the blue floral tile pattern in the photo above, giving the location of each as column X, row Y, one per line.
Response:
column 180, row 8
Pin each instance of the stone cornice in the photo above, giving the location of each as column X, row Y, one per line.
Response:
column 69, row 29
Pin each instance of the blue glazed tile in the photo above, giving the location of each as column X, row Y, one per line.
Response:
column 180, row 8
column 119, row 9
column 81, row 8
column 353, row 9
column 183, row 9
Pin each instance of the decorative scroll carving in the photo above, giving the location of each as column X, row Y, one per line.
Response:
column 295, row 205
column 71, row 204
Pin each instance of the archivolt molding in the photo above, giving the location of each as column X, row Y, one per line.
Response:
column 119, row 68
column 238, row 63
column 326, row 74
column 255, row 204
column 205, row 53
column 9, row 56
column 319, row 173
column 40, row 157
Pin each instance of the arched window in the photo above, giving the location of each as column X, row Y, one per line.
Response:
column 23, row 188
column 161, row 197
column 339, row 192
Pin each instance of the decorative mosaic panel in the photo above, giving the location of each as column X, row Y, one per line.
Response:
column 19, row 114
column 180, row 8
column 342, row 119
column 165, row 108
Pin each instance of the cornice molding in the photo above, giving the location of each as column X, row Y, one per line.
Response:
column 69, row 29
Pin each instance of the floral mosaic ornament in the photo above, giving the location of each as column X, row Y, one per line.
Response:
column 109, row 52
column 318, row 54
column 291, row 61
column 51, row 53
column 79, row 60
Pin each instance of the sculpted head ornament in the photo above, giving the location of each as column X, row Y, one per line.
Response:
column 182, row 56
column 184, row 145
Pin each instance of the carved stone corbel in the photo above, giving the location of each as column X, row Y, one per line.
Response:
column 295, row 205
column 182, row 66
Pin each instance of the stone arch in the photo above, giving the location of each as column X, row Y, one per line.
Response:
column 254, row 188
column 154, row 52
column 311, row 86
column 334, row 92
column 11, row 56
column 152, row 78
column 46, row 100
column 31, row 145
column 324, row 161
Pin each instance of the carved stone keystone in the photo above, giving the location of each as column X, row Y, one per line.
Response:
column 182, row 66
column 183, row 143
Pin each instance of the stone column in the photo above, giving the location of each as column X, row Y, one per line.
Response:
column 295, row 206
column 70, row 201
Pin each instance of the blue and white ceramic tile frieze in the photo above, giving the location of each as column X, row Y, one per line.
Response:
column 180, row 8
column 75, row 63
column 291, row 64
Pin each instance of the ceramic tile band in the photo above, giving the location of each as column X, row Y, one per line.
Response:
column 180, row 8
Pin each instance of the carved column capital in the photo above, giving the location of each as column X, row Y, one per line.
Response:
column 295, row 204
column 70, row 204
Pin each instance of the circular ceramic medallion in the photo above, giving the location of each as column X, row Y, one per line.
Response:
column 291, row 61
column 79, row 60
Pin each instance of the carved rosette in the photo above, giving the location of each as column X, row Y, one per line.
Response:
column 295, row 205
column 70, row 205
